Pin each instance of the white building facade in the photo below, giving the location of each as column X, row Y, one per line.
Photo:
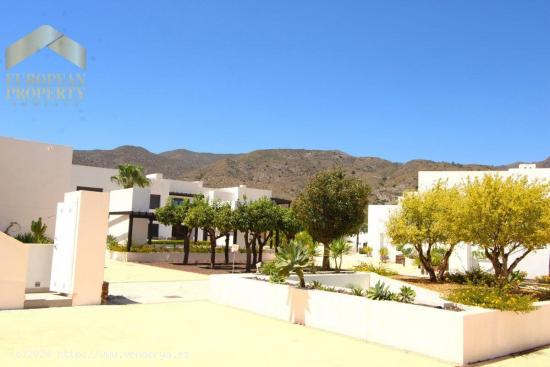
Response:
column 37, row 175
column 535, row 264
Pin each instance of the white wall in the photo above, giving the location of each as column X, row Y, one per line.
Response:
column 39, row 266
column 89, row 258
column 377, row 237
column 13, row 272
column 458, row 337
column 427, row 179
column 89, row 176
column 36, row 176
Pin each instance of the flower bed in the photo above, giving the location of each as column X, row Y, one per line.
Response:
column 458, row 337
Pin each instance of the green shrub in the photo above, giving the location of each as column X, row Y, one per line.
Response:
column 116, row 247
column 378, row 269
column 366, row 250
column 499, row 298
column 268, row 268
column 384, row 252
column 26, row 237
column 544, row 279
column 167, row 242
column 475, row 276
column 37, row 233
column 111, row 240
column 479, row 277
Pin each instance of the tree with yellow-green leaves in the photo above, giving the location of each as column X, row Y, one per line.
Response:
column 429, row 220
column 508, row 218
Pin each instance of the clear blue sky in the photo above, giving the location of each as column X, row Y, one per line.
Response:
column 464, row 81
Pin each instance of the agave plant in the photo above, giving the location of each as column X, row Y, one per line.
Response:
column 380, row 292
column 405, row 295
column 292, row 257
column 356, row 290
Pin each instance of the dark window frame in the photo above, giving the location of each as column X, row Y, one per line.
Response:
column 154, row 201
column 87, row 188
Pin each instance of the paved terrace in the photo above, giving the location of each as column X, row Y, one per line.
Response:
column 187, row 333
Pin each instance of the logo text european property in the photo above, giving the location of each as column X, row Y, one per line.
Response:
column 43, row 88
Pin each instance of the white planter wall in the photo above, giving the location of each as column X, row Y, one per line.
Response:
column 458, row 337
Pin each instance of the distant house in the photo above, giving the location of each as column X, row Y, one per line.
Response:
column 37, row 175
column 536, row 263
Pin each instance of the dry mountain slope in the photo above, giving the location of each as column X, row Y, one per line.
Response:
column 172, row 164
column 285, row 171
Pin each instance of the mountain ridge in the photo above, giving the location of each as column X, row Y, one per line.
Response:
column 284, row 171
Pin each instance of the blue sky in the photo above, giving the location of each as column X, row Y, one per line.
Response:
column 464, row 81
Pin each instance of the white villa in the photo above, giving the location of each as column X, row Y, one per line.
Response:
column 40, row 174
column 535, row 264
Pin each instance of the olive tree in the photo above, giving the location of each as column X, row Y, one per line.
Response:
column 430, row 221
column 174, row 214
column 508, row 218
column 331, row 206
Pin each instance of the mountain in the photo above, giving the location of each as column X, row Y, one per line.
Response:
column 285, row 171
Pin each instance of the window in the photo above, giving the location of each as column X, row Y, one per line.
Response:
column 154, row 201
column 85, row 188
column 177, row 201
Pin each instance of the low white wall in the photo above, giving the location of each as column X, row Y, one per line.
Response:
column 491, row 334
column 39, row 269
column 457, row 337
column 13, row 272
column 177, row 257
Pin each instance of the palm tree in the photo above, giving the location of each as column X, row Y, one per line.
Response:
column 130, row 175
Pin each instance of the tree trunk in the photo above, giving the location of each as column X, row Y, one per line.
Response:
column 326, row 258
column 247, row 246
column 186, row 247
column 226, row 250
column 278, row 242
column 254, row 251
column 444, row 264
column 497, row 266
column 262, row 244
column 426, row 263
column 212, row 235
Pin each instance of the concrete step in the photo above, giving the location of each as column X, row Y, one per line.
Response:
column 46, row 299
